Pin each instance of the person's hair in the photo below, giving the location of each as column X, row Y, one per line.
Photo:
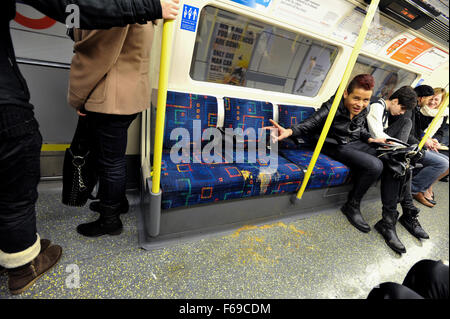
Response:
column 442, row 92
column 363, row 81
column 406, row 96
column 424, row 90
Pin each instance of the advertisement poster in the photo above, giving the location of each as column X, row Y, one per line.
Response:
column 38, row 37
column 313, row 14
column 411, row 50
column 256, row 4
column 313, row 71
column 231, row 52
column 381, row 30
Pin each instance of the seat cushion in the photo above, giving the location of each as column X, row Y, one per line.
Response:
column 181, row 111
column 327, row 172
column 186, row 184
column 263, row 177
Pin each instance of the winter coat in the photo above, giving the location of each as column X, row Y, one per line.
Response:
column 110, row 70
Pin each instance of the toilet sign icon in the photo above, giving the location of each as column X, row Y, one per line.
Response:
column 189, row 18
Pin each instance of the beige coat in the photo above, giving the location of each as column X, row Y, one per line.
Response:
column 109, row 71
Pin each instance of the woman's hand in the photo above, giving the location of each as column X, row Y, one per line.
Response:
column 170, row 9
column 281, row 132
column 380, row 140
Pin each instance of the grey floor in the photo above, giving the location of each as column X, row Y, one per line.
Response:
column 322, row 256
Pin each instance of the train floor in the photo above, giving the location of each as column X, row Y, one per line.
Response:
column 318, row 257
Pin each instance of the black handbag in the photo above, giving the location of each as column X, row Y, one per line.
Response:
column 79, row 177
column 400, row 158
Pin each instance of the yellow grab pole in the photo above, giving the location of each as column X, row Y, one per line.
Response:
column 357, row 48
column 166, row 51
column 433, row 123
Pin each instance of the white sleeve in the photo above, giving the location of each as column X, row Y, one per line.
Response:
column 375, row 121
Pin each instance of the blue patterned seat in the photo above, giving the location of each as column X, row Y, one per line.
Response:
column 192, row 179
column 187, row 184
column 327, row 172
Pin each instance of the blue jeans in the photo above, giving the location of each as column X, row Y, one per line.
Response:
column 434, row 165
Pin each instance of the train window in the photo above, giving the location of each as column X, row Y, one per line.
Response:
column 237, row 50
column 388, row 78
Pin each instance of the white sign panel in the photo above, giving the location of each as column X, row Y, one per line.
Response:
column 319, row 15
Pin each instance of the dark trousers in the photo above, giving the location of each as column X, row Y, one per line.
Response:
column 19, row 177
column 361, row 157
column 366, row 168
column 108, row 143
column 427, row 279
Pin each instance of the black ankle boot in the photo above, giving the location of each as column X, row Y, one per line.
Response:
column 353, row 214
column 123, row 208
column 108, row 223
column 410, row 221
column 387, row 230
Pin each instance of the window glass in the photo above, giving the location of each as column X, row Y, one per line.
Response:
column 236, row 50
column 388, row 78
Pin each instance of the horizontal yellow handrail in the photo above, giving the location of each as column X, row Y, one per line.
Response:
column 351, row 63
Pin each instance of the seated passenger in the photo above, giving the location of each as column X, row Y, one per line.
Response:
column 425, row 117
column 398, row 103
column 435, row 165
column 109, row 85
column 349, row 142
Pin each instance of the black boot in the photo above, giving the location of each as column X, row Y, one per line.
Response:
column 410, row 221
column 353, row 214
column 387, row 230
column 123, row 208
column 108, row 223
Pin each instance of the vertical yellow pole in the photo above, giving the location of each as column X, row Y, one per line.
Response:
column 433, row 123
column 166, row 51
column 351, row 63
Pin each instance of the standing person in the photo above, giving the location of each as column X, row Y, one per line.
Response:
column 401, row 101
column 22, row 252
column 109, row 86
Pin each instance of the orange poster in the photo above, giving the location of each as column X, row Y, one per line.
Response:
column 411, row 50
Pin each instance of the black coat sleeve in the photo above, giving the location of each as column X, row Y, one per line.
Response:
column 309, row 126
column 101, row 14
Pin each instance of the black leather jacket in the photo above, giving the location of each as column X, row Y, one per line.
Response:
column 94, row 14
column 342, row 130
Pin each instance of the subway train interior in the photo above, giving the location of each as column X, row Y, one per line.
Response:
column 227, row 228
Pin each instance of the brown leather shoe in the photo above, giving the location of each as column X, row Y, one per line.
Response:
column 22, row 278
column 421, row 199
column 44, row 245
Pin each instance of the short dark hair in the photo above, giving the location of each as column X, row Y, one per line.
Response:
column 406, row 96
column 363, row 81
column 424, row 90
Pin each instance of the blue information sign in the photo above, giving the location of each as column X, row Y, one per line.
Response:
column 189, row 18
